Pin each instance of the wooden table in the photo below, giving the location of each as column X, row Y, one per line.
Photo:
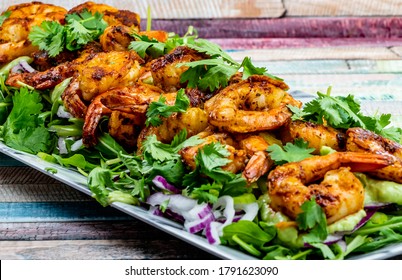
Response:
column 353, row 46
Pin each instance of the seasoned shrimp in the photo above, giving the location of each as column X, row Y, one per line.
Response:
column 361, row 140
column 256, row 104
column 15, row 29
column 111, row 15
column 165, row 72
column 132, row 100
column 194, row 120
column 237, row 157
column 340, row 193
column 119, row 37
column 316, row 135
column 103, row 72
column 259, row 162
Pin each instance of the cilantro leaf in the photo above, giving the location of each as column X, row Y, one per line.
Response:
column 208, row 180
column 4, row 16
column 290, row 152
column 161, row 109
column 143, row 44
column 23, row 129
column 312, row 219
column 249, row 69
column 49, row 36
column 344, row 112
column 79, row 30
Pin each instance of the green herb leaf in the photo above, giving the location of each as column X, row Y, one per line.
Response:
column 143, row 44
column 49, row 36
column 23, row 129
column 290, row 152
column 312, row 219
column 4, row 16
column 159, row 109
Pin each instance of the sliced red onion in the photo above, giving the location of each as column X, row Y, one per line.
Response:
column 363, row 221
column 200, row 224
column 342, row 244
column 77, row 144
column 212, row 233
column 228, row 212
column 331, row 239
column 377, row 205
column 199, row 211
column 177, row 202
column 250, row 209
column 61, row 144
column 23, row 66
column 163, row 184
column 167, row 214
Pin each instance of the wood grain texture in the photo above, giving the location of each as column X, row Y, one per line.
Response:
column 317, row 53
column 167, row 249
column 317, row 27
column 169, row 9
column 342, row 7
column 58, row 212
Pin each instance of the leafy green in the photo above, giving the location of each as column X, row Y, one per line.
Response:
column 313, row 220
column 144, row 44
column 159, row 109
column 104, row 190
column 208, row 180
column 4, row 16
column 49, row 36
column 80, row 29
column 24, row 130
column 344, row 112
column 290, row 152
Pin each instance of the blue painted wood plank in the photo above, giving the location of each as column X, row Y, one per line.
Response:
column 58, row 212
column 7, row 161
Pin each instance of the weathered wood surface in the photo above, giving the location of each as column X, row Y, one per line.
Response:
column 245, row 8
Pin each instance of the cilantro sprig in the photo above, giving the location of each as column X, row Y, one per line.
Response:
column 290, row 152
column 215, row 72
column 211, row 73
column 344, row 112
column 159, row 109
column 80, row 29
column 208, row 180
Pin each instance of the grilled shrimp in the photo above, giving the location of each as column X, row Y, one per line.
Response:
column 194, row 120
column 255, row 104
column 340, row 193
column 316, row 135
column 119, row 37
column 165, row 72
column 259, row 161
column 361, row 140
column 103, row 72
column 132, row 103
column 236, row 156
column 15, row 29
column 111, row 15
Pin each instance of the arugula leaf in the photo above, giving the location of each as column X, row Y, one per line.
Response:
column 104, row 189
column 312, row 219
column 4, row 16
column 24, row 130
column 290, row 152
column 161, row 109
column 79, row 30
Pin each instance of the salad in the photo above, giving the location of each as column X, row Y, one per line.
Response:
column 174, row 125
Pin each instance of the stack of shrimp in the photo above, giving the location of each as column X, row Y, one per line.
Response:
column 247, row 116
